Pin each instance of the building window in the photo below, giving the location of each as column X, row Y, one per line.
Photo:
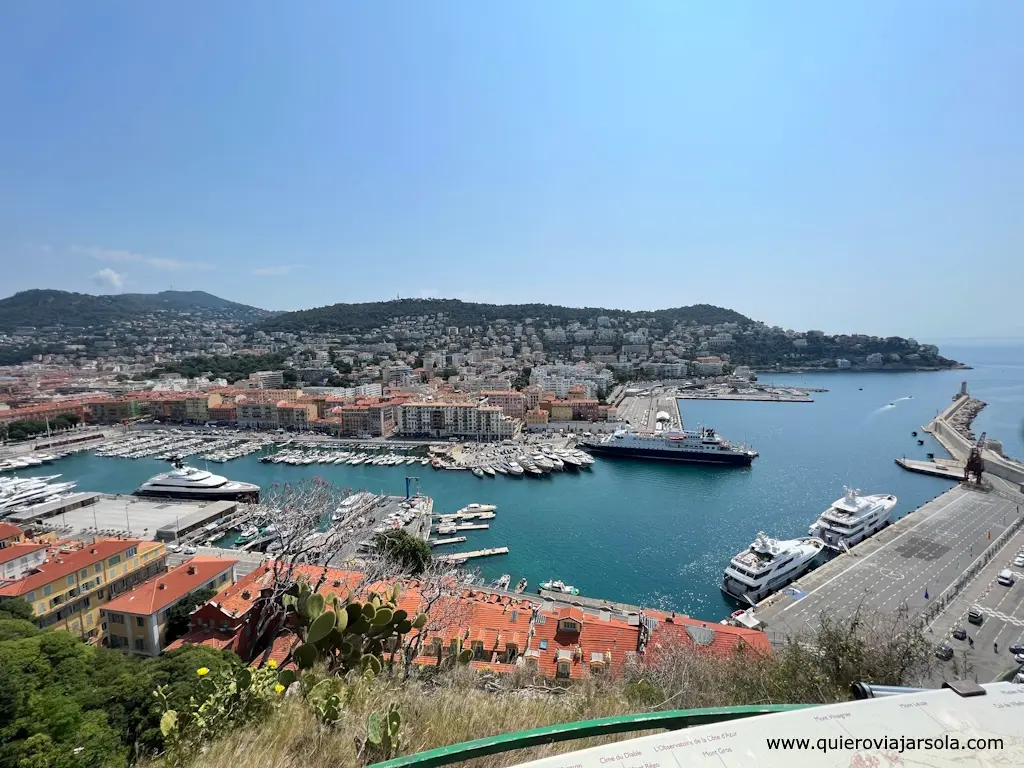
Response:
column 30, row 597
column 99, row 568
column 562, row 669
column 139, row 621
column 223, row 578
column 71, row 580
column 116, row 618
column 114, row 560
column 83, row 573
column 47, row 590
column 140, row 644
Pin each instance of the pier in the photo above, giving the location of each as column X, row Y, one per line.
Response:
column 461, row 556
column 916, row 563
column 449, row 540
column 947, row 468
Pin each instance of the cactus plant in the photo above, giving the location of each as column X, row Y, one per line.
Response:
column 382, row 737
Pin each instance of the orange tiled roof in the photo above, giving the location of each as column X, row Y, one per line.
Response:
column 723, row 639
column 64, row 564
column 18, row 550
column 159, row 592
column 211, row 638
column 611, row 636
column 7, row 531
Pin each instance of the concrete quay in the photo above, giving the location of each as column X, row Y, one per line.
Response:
column 945, row 468
column 910, row 564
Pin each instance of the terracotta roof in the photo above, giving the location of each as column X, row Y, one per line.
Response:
column 7, row 531
column 211, row 638
column 159, row 592
column 613, row 636
column 18, row 550
column 64, row 564
column 719, row 639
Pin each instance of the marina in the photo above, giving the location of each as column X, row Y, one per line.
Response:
column 684, row 522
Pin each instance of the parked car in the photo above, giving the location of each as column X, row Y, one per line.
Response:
column 1018, row 561
column 1006, row 577
column 959, row 633
column 1019, row 658
column 944, row 652
column 975, row 616
column 1016, row 648
column 1019, row 677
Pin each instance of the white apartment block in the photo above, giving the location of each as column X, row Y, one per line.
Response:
column 463, row 420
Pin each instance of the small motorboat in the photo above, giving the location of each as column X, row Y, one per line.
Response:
column 502, row 582
column 247, row 535
column 478, row 472
column 559, row 586
column 521, row 586
column 920, row 442
column 913, row 434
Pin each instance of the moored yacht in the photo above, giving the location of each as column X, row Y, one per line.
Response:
column 190, row 483
column 703, row 446
column 853, row 518
column 768, row 565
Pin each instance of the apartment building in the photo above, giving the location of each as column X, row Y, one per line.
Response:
column 463, row 420
column 512, row 403
column 136, row 621
column 115, row 411
column 265, row 380
column 197, row 406
column 708, row 365
column 68, row 589
column 296, row 415
column 256, row 415
column 10, row 534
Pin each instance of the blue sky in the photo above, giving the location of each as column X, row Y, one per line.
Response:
column 844, row 166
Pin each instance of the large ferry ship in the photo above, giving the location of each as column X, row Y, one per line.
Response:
column 767, row 566
column 853, row 518
column 703, row 446
column 190, row 483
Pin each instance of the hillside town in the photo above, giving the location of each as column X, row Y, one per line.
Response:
column 413, row 375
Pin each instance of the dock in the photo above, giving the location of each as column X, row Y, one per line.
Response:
column 947, row 468
column 449, row 540
column 459, row 556
column 922, row 559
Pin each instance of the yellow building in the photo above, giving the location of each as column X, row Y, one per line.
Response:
column 136, row 621
column 197, row 406
column 297, row 415
column 67, row 591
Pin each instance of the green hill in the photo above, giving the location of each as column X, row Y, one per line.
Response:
column 362, row 317
column 41, row 308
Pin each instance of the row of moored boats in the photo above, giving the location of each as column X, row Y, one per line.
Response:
column 355, row 458
column 768, row 564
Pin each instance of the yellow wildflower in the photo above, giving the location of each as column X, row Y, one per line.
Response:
column 278, row 688
column 203, row 671
column 272, row 664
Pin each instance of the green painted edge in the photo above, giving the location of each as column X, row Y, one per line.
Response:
column 604, row 726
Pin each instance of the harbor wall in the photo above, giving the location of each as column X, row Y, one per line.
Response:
column 960, row 447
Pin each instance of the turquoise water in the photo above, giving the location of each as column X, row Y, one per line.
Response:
column 651, row 533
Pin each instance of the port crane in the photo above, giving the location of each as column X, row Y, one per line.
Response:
column 975, row 462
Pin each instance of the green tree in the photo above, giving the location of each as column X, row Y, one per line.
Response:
column 178, row 620
column 15, row 608
column 410, row 553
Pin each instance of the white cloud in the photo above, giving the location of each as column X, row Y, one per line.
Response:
column 277, row 269
column 157, row 262
column 108, row 278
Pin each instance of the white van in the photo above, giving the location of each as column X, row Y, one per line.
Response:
column 1005, row 577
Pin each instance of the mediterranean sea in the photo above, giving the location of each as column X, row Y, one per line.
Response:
column 659, row 534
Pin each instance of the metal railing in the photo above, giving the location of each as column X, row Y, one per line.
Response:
column 605, row 726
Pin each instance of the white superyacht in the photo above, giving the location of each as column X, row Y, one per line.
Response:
column 768, row 565
column 853, row 518
column 190, row 483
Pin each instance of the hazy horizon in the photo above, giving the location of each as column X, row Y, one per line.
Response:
column 834, row 167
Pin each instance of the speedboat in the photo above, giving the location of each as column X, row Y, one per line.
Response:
column 474, row 507
column 247, row 535
column 502, row 582
column 768, row 565
column 514, row 469
column 478, row 472
column 488, row 470
column 559, row 586
column 521, row 586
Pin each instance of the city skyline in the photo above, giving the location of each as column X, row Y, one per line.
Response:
column 829, row 168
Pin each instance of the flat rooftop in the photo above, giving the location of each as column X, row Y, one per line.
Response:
column 921, row 554
column 135, row 516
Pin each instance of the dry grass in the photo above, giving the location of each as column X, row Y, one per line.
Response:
column 432, row 716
